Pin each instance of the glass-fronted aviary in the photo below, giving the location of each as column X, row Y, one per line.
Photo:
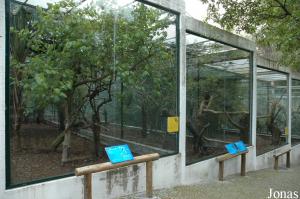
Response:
column 295, row 112
column 85, row 75
column 272, row 110
column 218, row 97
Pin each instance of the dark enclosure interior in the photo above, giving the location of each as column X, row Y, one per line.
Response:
column 272, row 110
column 295, row 112
column 85, row 75
column 218, row 97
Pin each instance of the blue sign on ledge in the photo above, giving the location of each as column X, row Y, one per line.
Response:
column 235, row 148
column 240, row 146
column 231, row 148
column 120, row 153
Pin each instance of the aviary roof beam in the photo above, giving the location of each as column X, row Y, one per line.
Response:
column 200, row 28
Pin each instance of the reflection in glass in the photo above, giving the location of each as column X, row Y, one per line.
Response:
column 272, row 101
column 218, row 88
column 85, row 75
column 295, row 111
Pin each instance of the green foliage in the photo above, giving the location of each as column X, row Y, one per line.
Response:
column 75, row 53
column 273, row 22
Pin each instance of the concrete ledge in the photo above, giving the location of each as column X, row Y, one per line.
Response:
column 214, row 33
column 176, row 6
column 264, row 62
column 266, row 160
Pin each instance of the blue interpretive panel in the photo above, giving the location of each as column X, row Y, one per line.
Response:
column 241, row 146
column 231, row 148
column 120, row 153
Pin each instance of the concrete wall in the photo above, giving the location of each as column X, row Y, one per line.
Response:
column 2, row 98
column 208, row 170
column 169, row 171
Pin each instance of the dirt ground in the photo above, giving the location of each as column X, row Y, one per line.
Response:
column 35, row 160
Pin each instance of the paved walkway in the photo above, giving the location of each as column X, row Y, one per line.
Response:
column 256, row 185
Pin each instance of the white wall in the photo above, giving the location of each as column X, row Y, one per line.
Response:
column 208, row 170
column 2, row 97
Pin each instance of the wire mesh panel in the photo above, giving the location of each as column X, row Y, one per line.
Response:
column 85, row 75
column 295, row 111
column 272, row 103
column 218, row 94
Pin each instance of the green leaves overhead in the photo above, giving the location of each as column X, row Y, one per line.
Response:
column 273, row 22
column 75, row 48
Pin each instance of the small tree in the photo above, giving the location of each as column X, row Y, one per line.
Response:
column 66, row 38
column 138, row 45
column 21, row 18
column 74, row 63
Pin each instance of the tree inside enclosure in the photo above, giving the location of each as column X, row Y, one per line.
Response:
column 85, row 75
column 218, row 93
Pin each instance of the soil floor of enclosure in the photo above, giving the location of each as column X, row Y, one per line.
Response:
column 256, row 185
column 33, row 159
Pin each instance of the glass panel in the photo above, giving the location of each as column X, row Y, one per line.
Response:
column 295, row 111
column 218, row 88
column 272, row 103
column 85, row 75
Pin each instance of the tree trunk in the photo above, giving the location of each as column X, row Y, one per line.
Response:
column 18, row 113
column 40, row 116
column 17, row 107
column 96, row 132
column 61, row 118
column 66, row 145
column 144, row 121
column 67, row 132
column 57, row 141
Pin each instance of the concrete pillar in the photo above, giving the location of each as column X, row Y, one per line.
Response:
column 254, row 107
column 182, row 91
column 2, row 97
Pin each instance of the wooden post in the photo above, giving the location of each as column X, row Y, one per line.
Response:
column 88, row 170
column 88, row 186
column 276, row 162
column 288, row 159
column 149, row 179
column 109, row 166
column 243, row 164
column 221, row 170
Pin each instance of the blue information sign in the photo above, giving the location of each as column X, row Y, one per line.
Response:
column 231, row 148
column 241, row 146
column 120, row 153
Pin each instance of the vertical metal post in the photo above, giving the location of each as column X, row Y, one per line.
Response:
column 122, row 110
column 253, row 98
column 289, row 122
